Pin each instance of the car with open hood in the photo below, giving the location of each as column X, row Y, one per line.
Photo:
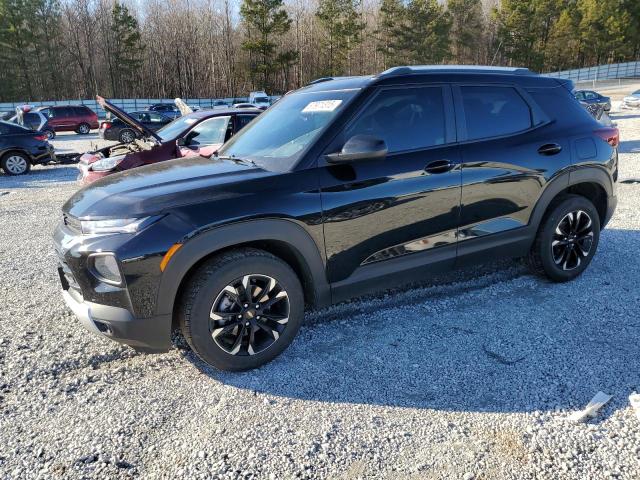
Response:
column 198, row 133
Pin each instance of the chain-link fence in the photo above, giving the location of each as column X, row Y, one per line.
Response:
column 613, row 74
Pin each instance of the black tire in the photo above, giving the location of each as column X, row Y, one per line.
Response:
column 561, row 251
column 127, row 135
column 15, row 163
column 51, row 134
column 212, row 280
column 84, row 129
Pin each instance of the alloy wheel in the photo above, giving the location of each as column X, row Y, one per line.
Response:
column 572, row 240
column 127, row 137
column 16, row 164
column 84, row 129
column 249, row 315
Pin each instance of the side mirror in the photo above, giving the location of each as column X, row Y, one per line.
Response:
column 360, row 147
column 181, row 142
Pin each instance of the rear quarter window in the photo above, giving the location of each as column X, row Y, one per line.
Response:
column 494, row 111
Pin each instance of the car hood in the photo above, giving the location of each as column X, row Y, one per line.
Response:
column 157, row 188
column 116, row 112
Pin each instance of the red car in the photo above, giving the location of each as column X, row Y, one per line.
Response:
column 71, row 118
column 198, row 133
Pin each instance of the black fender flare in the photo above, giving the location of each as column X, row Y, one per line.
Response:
column 574, row 176
column 208, row 242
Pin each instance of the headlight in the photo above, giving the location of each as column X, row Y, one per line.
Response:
column 118, row 225
column 106, row 163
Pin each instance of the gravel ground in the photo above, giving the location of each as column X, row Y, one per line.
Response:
column 467, row 377
column 71, row 142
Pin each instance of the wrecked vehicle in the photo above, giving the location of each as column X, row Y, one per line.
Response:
column 199, row 133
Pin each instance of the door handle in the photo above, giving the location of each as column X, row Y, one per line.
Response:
column 550, row 149
column 438, row 166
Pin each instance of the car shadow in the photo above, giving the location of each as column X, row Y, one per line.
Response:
column 629, row 146
column 39, row 176
column 499, row 340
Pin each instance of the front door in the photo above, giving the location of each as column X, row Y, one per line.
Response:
column 384, row 216
column 207, row 137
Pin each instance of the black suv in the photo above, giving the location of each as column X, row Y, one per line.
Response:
column 346, row 186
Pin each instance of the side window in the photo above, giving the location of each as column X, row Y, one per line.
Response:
column 579, row 95
column 494, row 111
column 590, row 95
column 64, row 112
column 209, row 132
column 47, row 112
column 155, row 118
column 243, row 120
column 31, row 120
column 406, row 119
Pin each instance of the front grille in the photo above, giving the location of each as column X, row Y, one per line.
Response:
column 72, row 223
column 67, row 279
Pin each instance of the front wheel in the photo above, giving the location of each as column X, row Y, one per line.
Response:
column 241, row 309
column 84, row 129
column 15, row 163
column 567, row 239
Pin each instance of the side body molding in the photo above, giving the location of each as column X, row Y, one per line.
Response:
column 210, row 241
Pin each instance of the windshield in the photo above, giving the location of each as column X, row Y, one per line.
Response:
column 278, row 138
column 262, row 100
column 171, row 130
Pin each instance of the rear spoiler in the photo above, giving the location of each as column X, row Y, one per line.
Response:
column 566, row 83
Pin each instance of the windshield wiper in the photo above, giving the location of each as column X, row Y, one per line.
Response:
column 233, row 158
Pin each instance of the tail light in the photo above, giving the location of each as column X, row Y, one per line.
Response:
column 610, row 135
column 42, row 137
column 105, row 125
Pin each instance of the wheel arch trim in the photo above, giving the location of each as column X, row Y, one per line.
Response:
column 211, row 241
column 573, row 177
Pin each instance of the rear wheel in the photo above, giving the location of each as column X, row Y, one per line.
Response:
column 51, row 134
column 14, row 163
column 127, row 136
column 84, row 128
column 241, row 309
column 567, row 239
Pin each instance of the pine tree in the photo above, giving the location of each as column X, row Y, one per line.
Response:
column 425, row 40
column 125, row 49
column 343, row 25
column 265, row 20
column 466, row 29
column 391, row 20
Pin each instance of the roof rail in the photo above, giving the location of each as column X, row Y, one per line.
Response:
column 406, row 70
column 320, row 80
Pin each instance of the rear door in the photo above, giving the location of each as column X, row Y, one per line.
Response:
column 509, row 151
column 383, row 218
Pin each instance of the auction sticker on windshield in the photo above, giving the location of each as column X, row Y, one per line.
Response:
column 322, row 106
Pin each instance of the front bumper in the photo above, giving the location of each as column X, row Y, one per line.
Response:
column 127, row 313
column 119, row 324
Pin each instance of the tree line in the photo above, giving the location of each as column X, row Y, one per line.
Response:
column 74, row 49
